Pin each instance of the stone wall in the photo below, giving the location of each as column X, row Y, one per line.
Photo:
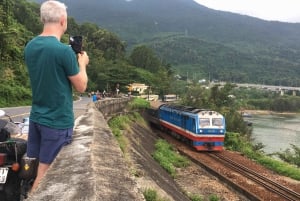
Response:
column 111, row 106
column 92, row 167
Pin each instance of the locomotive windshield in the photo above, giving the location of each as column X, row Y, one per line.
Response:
column 217, row 121
column 204, row 122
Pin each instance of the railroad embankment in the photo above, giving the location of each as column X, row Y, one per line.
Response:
column 92, row 167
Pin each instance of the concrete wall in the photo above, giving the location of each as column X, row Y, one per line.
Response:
column 92, row 167
column 111, row 106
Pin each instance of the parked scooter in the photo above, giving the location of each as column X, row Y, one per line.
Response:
column 27, row 174
column 17, row 171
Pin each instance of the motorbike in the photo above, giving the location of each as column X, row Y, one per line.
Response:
column 17, row 171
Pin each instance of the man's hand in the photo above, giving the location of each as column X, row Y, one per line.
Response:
column 83, row 59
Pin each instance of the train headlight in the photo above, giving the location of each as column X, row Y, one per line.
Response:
column 221, row 131
column 200, row 131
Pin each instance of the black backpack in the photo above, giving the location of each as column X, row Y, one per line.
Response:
column 4, row 134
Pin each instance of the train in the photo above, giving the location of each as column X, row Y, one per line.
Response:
column 170, row 98
column 203, row 129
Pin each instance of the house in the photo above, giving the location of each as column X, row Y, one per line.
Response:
column 137, row 87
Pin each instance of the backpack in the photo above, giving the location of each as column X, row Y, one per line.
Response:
column 4, row 133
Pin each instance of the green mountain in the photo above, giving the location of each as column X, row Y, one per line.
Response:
column 199, row 41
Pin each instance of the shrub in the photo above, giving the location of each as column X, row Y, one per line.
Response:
column 168, row 158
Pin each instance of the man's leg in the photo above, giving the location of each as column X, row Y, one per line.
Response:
column 51, row 143
column 42, row 169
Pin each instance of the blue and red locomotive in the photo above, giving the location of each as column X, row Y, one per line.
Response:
column 204, row 129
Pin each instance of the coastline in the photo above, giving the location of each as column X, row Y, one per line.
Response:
column 265, row 112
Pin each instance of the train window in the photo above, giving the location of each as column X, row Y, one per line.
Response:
column 193, row 125
column 204, row 122
column 217, row 121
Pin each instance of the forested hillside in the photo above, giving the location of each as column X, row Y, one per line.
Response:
column 109, row 66
column 198, row 42
column 194, row 38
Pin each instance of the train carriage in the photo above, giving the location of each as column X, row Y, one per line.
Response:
column 205, row 129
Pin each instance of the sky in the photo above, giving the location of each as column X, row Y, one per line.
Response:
column 272, row 10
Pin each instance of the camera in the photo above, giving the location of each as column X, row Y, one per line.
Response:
column 76, row 43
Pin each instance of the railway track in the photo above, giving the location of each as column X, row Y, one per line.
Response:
column 246, row 181
column 280, row 190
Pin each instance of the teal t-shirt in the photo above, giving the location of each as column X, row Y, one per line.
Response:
column 49, row 63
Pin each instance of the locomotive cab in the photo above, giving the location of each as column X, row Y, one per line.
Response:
column 205, row 129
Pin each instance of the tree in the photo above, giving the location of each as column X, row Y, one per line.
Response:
column 108, row 43
column 197, row 96
column 144, row 57
column 27, row 14
column 219, row 96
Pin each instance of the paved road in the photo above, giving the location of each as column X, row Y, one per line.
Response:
column 18, row 113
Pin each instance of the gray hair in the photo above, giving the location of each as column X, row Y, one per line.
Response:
column 52, row 11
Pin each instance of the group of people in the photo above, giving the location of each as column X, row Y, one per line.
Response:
column 54, row 68
column 97, row 95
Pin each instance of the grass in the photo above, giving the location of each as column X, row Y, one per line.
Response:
column 118, row 125
column 214, row 198
column 241, row 143
column 121, row 123
column 278, row 166
column 138, row 103
column 168, row 158
column 152, row 195
column 194, row 197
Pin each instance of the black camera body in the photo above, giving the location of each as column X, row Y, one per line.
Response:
column 76, row 43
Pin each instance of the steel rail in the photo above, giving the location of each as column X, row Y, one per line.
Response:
column 283, row 191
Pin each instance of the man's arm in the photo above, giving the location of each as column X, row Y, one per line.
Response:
column 79, row 81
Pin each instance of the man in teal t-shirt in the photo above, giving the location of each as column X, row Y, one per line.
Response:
column 49, row 64
column 53, row 69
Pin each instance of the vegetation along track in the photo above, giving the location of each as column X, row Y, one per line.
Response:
column 245, row 176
